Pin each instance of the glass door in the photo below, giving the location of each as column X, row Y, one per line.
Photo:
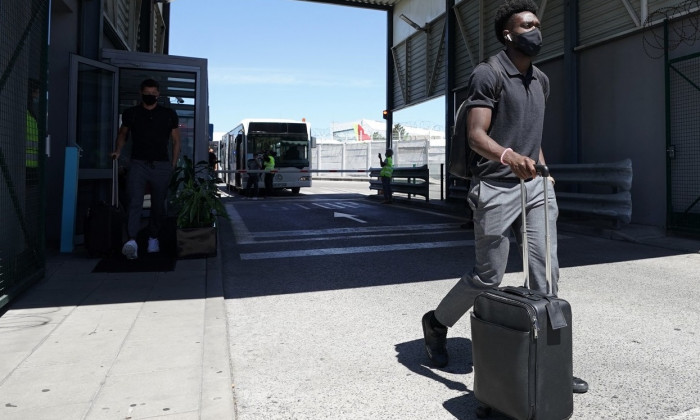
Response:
column 92, row 131
column 93, row 115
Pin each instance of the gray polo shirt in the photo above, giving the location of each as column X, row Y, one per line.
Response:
column 518, row 110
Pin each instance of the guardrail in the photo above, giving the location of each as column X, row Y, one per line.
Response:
column 597, row 189
column 404, row 180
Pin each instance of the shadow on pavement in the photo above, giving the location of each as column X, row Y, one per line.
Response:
column 412, row 355
column 286, row 275
column 71, row 279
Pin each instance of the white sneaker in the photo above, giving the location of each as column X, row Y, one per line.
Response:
column 130, row 250
column 153, row 245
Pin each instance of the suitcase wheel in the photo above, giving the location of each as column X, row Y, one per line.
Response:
column 483, row 411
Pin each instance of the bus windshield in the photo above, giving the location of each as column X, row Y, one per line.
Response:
column 291, row 149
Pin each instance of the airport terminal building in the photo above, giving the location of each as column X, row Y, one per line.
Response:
column 624, row 75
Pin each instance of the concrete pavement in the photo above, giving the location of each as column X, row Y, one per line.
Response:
column 355, row 351
column 83, row 345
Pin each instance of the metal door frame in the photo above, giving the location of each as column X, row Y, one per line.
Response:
column 159, row 62
column 75, row 62
column 72, row 173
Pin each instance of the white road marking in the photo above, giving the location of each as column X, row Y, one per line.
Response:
column 341, row 231
column 338, row 205
column 693, row 414
column 240, row 230
column 348, row 216
column 352, row 250
column 350, row 236
column 245, row 236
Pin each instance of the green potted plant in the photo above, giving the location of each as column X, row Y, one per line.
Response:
column 197, row 203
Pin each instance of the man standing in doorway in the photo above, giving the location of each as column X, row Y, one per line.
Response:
column 151, row 126
column 506, row 105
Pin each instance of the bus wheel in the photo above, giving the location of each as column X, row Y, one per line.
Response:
column 295, row 190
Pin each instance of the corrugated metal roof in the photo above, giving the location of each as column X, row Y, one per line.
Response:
column 372, row 4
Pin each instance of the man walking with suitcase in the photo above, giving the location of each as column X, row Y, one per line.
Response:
column 506, row 104
column 152, row 126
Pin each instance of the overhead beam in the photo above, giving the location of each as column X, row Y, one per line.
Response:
column 632, row 13
column 463, row 32
column 541, row 10
column 359, row 4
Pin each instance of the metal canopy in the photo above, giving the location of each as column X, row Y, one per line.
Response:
column 368, row 4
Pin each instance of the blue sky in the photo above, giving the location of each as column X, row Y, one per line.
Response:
column 291, row 59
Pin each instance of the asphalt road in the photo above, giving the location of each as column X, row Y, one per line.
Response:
column 325, row 291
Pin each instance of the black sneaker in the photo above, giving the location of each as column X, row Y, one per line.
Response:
column 435, row 341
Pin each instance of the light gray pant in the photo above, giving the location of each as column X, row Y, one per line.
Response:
column 157, row 174
column 497, row 209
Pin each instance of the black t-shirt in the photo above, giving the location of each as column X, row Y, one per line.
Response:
column 518, row 110
column 150, row 131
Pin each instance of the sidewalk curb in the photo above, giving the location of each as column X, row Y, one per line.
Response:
column 217, row 399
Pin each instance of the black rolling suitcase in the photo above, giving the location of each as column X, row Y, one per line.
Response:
column 522, row 347
column 104, row 223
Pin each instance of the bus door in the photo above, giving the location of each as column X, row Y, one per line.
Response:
column 240, row 159
column 226, row 159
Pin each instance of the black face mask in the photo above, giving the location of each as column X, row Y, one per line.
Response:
column 149, row 99
column 529, row 42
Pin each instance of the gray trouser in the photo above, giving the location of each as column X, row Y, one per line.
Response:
column 497, row 209
column 157, row 174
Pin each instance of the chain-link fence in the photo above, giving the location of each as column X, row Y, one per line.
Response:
column 683, row 144
column 23, row 64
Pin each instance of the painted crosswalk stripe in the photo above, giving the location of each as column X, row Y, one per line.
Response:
column 352, row 250
column 693, row 414
column 344, row 231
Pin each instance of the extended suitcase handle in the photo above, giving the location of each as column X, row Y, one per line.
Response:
column 556, row 316
column 115, row 182
column 542, row 170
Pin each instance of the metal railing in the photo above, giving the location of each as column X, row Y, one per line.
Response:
column 411, row 181
column 595, row 189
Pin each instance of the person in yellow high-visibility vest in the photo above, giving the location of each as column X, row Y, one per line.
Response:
column 269, row 165
column 32, row 140
column 385, row 174
column 31, row 162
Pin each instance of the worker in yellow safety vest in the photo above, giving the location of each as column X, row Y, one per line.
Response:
column 32, row 145
column 269, row 164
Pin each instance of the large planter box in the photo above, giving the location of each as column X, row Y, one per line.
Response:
column 196, row 242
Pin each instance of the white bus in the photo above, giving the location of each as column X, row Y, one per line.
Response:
column 289, row 139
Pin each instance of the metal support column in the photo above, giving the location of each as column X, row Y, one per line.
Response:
column 90, row 34
column 450, row 21
column 571, row 93
column 389, row 75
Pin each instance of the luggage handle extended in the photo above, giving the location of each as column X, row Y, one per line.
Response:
column 543, row 171
column 115, row 182
column 556, row 316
